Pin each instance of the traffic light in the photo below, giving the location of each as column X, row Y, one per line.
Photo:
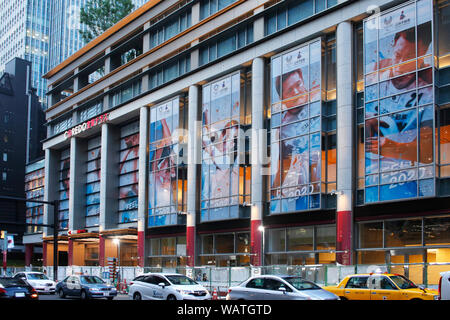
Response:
column 2, row 234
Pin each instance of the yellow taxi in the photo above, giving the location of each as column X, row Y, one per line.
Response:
column 376, row 286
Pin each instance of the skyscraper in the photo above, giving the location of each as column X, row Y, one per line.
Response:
column 65, row 37
column 24, row 33
column 44, row 32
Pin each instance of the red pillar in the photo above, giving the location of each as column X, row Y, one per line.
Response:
column 190, row 246
column 344, row 223
column 141, row 251
column 70, row 252
column 101, row 251
column 44, row 254
column 255, row 243
column 28, row 254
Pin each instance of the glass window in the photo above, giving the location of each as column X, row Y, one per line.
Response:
column 257, row 283
column 168, row 246
column 276, row 240
column 243, row 242
column 371, row 235
column 155, row 247
column 208, row 244
column 357, row 283
column 325, row 238
column 437, row 231
column 167, row 178
column 398, row 129
column 403, row 233
column 128, row 172
column 300, row 239
column 296, row 147
column 224, row 243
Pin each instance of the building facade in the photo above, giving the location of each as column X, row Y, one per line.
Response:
column 25, row 34
column 250, row 133
column 22, row 131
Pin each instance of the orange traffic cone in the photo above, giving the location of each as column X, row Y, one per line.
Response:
column 214, row 295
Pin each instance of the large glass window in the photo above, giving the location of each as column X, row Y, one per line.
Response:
column 209, row 7
column 224, row 173
column 126, row 93
column 294, row 12
column 34, row 190
column 167, row 179
column 437, row 231
column 93, row 182
column 296, row 124
column 128, row 172
column 64, row 188
column 399, row 104
column 301, row 245
column 225, row 249
column 89, row 112
column 171, row 28
column 167, row 252
column 169, row 71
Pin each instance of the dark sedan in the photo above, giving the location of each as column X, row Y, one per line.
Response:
column 85, row 287
column 11, row 288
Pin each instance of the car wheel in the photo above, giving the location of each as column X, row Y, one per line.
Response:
column 84, row 295
column 343, row 298
column 137, row 296
column 110, row 298
column 171, row 297
column 61, row 293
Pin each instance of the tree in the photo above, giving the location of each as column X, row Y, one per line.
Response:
column 100, row 15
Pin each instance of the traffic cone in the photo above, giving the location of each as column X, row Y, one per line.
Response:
column 125, row 287
column 214, row 295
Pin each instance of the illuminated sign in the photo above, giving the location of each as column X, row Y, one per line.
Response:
column 86, row 125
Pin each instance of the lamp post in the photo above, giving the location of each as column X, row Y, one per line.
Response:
column 262, row 229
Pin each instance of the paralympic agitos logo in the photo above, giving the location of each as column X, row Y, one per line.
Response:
column 86, row 125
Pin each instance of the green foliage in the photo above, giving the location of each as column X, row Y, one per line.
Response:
column 100, row 15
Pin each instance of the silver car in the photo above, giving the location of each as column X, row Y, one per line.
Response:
column 270, row 287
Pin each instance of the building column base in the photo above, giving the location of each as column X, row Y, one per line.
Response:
column 101, row 251
column 29, row 248
column 140, row 249
column 344, row 248
column 190, row 246
column 256, row 243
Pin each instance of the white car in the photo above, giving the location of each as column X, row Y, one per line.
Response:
column 166, row 286
column 38, row 280
column 444, row 286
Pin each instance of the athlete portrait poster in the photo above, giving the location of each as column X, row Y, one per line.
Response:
column 295, row 129
column 220, row 156
column 399, row 97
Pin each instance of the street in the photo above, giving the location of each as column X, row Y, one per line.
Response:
column 56, row 297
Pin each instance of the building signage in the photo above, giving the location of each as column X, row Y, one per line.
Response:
column 86, row 125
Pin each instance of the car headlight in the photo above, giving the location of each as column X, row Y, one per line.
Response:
column 113, row 289
column 93, row 289
column 436, row 297
column 184, row 292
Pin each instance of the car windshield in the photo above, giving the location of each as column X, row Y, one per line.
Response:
column 402, row 282
column 37, row 276
column 11, row 282
column 300, row 284
column 91, row 280
column 181, row 280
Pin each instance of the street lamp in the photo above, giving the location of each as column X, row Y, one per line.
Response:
column 261, row 229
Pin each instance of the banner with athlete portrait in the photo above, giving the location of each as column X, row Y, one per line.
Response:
column 164, row 188
column 296, row 125
column 399, row 103
column 220, row 153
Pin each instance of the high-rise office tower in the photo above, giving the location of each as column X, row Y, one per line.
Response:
column 44, row 32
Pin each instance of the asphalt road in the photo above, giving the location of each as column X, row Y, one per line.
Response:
column 56, row 297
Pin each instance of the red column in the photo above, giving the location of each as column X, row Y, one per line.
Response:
column 28, row 254
column 70, row 253
column 141, row 251
column 44, row 254
column 344, row 223
column 101, row 251
column 190, row 246
column 256, row 243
